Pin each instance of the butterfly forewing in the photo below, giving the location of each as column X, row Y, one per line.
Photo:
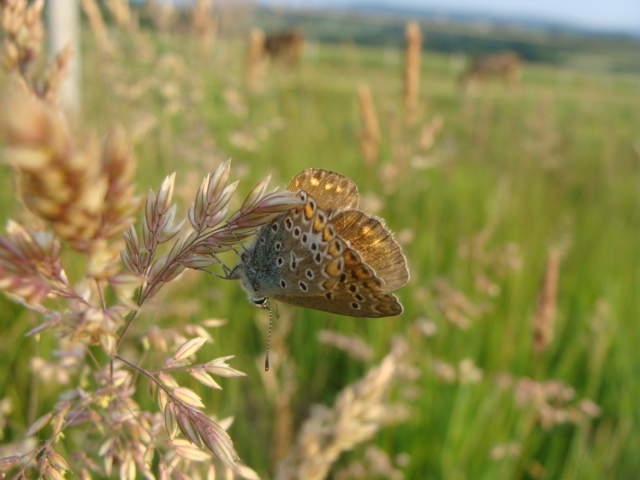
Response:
column 334, row 192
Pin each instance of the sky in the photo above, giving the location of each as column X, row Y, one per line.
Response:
column 611, row 15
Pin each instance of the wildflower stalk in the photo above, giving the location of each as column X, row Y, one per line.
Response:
column 413, row 39
column 86, row 198
column 546, row 305
column 360, row 410
column 255, row 58
column 98, row 27
column 206, row 431
column 25, row 460
column 80, row 196
column 369, row 136
column 210, row 236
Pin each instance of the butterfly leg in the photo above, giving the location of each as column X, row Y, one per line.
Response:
column 225, row 270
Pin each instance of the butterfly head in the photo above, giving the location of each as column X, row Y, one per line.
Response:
column 259, row 302
column 246, row 272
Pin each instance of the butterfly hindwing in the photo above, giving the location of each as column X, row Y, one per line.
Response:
column 374, row 306
column 375, row 243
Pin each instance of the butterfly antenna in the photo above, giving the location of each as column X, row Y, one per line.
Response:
column 266, row 357
column 244, row 249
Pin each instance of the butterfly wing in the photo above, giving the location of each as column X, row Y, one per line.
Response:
column 325, row 273
column 296, row 254
column 375, row 243
column 332, row 191
column 374, row 305
column 338, row 196
column 355, row 291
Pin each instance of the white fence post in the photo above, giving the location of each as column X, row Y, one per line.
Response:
column 64, row 29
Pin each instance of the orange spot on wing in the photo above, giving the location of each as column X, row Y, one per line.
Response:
column 327, row 234
column 317, row 225
column 351, row 259
column 372, row 284
column 308, row 211
column 329, row 284
column 334, row 248
column 333, row 267
column 361, row 272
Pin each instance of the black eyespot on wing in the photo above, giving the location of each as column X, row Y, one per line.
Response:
column 309, row 274
column 318, row 258
column 262, row 240
column 358, row 297
column 283, row 284
column 343, row 278
column 288, row 223
column 277, row 246
column 303, row 286
column 314, row 246
column 304, row 238
column 280, row 261
column 274, row 227
column 297, row 232
column 355, row 306
column 353, row 288
column 329, row 295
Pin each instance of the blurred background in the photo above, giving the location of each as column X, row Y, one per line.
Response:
column 499, row 140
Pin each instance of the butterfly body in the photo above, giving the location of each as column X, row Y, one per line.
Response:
column 325, row 254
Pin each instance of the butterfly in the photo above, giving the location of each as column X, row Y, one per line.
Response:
column 325, row 254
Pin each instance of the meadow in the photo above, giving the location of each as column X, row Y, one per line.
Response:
column 517, row 209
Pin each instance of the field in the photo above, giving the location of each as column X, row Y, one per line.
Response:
column 517, row 208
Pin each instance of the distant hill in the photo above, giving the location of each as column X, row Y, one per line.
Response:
column 461, row 33
column 479, row 17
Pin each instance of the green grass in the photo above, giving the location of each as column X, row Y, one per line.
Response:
column 550, row 163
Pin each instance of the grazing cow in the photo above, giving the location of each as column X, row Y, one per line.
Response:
column 285, row 46
column 505, row 66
